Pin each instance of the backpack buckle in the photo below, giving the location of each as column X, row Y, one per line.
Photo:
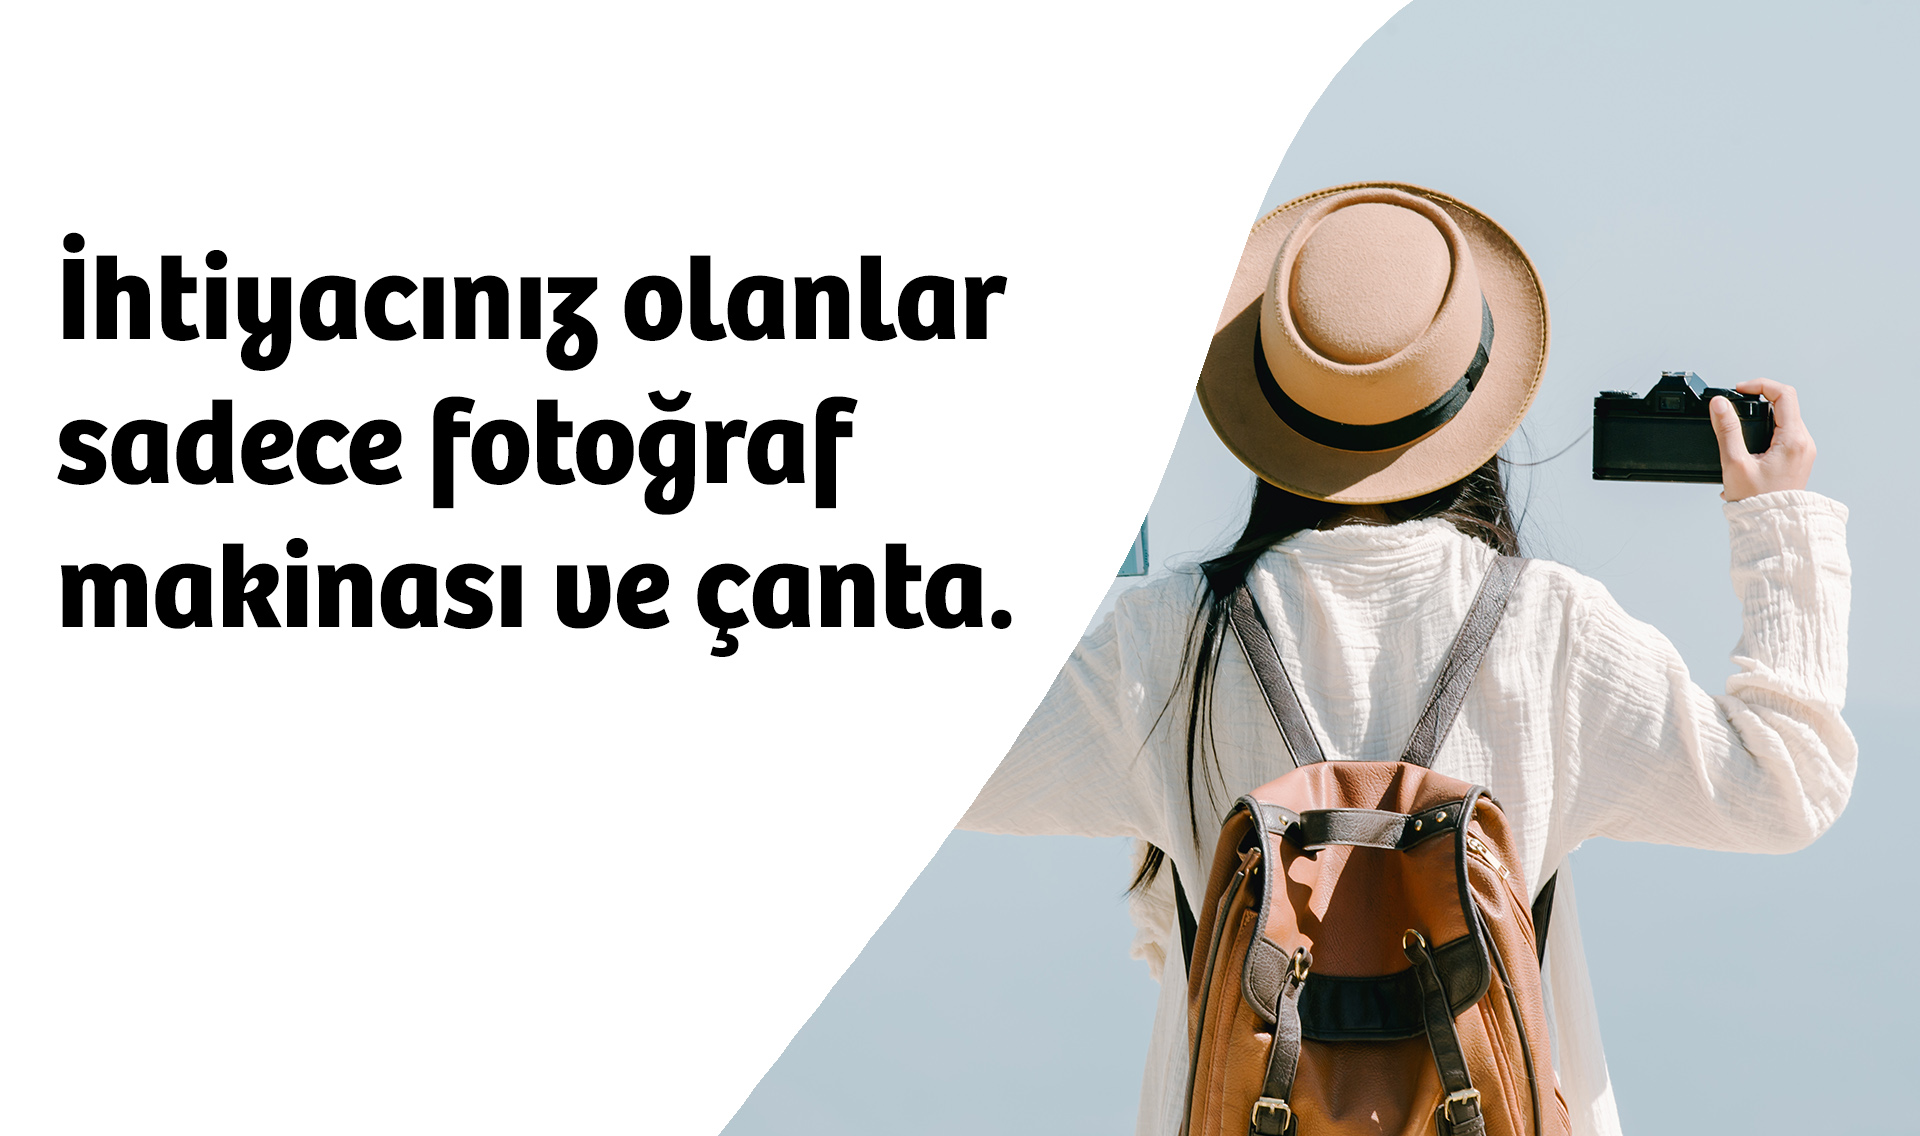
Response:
column 1271, row 1117
column 1462, row 1098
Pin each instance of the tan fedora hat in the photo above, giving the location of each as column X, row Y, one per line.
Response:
column 1380, row 341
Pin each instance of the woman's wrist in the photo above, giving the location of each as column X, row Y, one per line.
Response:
column 1784, row 499
column 1807, row 527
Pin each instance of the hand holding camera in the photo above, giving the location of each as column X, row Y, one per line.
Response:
column 1785, row 464
column 1750, row 439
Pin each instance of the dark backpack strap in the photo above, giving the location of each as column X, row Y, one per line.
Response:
column 1189, row 926
column 1459, row 1112
column 1263, row 658
column 1272, row 1113
column 1542, row 915
column 1463, row 660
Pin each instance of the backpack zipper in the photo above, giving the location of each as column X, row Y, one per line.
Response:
column 1249, row 868
column 1475, row 847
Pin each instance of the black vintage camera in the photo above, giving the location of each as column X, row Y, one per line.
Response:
column 1668, row 435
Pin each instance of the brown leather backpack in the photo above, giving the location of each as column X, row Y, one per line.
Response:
column 1365, row 958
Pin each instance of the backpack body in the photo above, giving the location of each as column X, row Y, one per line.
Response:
column 1365, row 959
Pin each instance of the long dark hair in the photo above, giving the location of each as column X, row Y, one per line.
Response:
column 1476, row 505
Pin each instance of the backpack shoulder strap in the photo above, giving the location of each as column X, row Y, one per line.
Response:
column 1542, row 914
column 1450, row 690
column 1189, row 926
column 1263, row 658
column 1463, row 660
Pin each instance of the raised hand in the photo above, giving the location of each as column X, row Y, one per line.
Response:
column 1786, row 464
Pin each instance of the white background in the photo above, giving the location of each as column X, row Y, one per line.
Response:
column 578, row 881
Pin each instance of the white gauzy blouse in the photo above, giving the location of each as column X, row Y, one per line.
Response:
column 1582, row 721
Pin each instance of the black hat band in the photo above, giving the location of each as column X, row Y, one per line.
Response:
column 1379, row 435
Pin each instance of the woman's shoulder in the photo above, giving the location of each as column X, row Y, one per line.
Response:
column 1561, row 581
column 1372, row 560
column 1431, row 545
column 1165, row 599
column 1414, row 559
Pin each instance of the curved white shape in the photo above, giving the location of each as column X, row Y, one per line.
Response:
column 574, row 881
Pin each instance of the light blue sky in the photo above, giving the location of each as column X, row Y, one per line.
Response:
column 1724, row 188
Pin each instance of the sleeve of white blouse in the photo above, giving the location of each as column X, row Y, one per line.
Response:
column 1765, row 767
column 1081, row 766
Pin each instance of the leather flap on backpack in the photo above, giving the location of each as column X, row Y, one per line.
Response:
column 1353, row 846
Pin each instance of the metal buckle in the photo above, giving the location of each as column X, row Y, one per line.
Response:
column 1275, row 1106
column 1461, row 1097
